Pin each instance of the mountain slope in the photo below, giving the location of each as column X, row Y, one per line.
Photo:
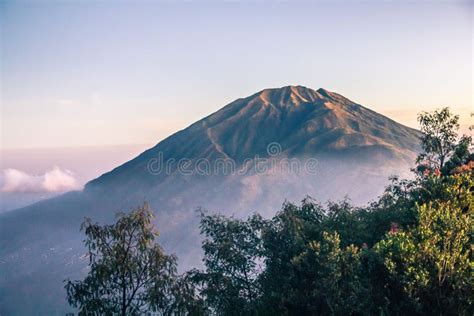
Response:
column 40, row 245
column 304, row 122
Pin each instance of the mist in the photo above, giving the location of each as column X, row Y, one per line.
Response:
column 42, row 246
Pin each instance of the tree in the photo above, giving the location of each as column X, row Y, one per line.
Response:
column 433, row 262
column 307, row 272
column 440, row 132
column 232, row 257
column 129, row 273
column 286, row 237
column 461, row 155
column 330, row 280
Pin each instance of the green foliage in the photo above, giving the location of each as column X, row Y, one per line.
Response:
column 286, row 238
column 323, row 278
column 461, row 155
column 439, row 136
column 433, row 262
column 351, row 223
column 443, row 151
column 233, row 251
column 129, row 273
column 311, row 259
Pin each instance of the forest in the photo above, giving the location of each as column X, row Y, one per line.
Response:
column 410, row 252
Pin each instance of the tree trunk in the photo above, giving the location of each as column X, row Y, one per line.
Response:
column 124, row 300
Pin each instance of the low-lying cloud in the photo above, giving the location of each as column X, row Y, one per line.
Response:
column 54, row 180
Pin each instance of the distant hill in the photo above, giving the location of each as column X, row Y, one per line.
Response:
column 352, row 151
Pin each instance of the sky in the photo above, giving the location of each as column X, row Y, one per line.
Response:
column 88, row 73
column 87, row 85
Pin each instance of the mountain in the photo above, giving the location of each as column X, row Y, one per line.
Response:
column 249, row 156
column 303, row 121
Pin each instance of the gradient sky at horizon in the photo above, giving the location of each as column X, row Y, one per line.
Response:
column 103, row 73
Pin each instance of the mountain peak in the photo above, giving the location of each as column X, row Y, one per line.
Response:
column 294, row 95
column 288, row 95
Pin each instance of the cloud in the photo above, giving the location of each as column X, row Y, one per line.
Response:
column 54, row 180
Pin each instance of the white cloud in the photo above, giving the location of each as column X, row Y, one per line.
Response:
column 54, row 180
